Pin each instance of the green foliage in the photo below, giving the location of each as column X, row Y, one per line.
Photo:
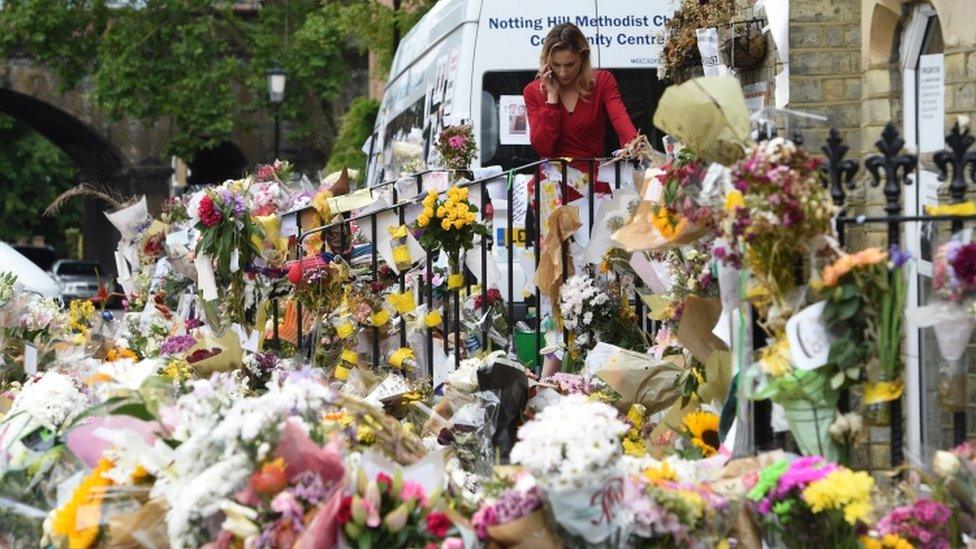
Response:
column 357, row 126
column 33, row 171
column 197, row 65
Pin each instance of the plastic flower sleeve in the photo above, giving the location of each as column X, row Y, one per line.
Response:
column 472, row 426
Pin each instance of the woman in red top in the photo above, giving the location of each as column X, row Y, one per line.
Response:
column 569, row 103
column 568, row 106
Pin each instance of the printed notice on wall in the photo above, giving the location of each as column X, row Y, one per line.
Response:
column 513, row 121
column 931, row 103
column 755, row 95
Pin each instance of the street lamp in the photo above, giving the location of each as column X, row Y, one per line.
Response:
column 276, row 94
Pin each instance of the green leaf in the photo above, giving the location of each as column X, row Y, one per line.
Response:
column 848, row 309
column 136, row 410
column 854, row 372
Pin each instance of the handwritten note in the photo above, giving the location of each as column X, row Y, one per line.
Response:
column 808, row 337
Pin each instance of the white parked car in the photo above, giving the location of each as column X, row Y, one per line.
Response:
column 30, row 277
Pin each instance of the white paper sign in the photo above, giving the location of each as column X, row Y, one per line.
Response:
column 30, row 359
column 472, row 259
column 708, row 47
column 808, row 337
column 931, row 103
column 205, row 277
column 513, row 120
column 393, row 385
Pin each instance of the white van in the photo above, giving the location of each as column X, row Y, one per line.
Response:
column 469, row 60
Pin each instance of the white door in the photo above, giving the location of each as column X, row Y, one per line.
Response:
column 924, row 128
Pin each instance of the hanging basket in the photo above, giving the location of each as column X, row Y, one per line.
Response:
column 746, row 48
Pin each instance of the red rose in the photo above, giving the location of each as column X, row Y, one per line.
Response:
column 208, row 213
column 384, row 481
column 438, row 524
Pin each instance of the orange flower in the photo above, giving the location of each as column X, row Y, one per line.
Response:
column 843, row 265
column 870, row 256
column 119, row 354
column 271, row 478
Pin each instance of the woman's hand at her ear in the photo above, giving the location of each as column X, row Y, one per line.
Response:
column 549, row 83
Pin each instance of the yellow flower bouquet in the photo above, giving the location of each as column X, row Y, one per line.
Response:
column 449, row 224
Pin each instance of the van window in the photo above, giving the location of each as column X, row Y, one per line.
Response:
column 639, row 88
column 495, row 85
column 404, row 134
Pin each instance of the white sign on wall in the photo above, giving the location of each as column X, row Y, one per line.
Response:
column 931, row 103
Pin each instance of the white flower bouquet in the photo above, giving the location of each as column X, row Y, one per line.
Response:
column 573, row 450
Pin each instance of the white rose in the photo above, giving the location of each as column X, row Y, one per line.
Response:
column 945, row 464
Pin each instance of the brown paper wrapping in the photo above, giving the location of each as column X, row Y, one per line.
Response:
column 549, row 277
column 149, row 522
column 230, row 357
column 695, row 330
column 528, row 532
column 654, row 386
column 640, row 234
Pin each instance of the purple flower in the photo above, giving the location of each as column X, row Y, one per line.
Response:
column 898, row 256
column 176, row 345
column 228, row 198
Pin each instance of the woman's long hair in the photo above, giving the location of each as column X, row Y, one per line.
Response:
column 568, row 36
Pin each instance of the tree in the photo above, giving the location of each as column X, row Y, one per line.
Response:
column 199, row 65
column 357, row 126
column 33, row 171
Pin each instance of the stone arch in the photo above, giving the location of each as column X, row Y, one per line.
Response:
column 124, row 154
column 215, row 165
column 97, row 158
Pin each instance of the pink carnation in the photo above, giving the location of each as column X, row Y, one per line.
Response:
column 457, row 141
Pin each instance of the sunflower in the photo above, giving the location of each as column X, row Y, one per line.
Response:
column 703, row 428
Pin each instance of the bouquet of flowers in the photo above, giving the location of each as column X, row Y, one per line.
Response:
column 678, row 215
column 573, row 450
column 290, row 498
column 668, row 513
column 513, row 515
column 690, row 274
column 810, row 502
column 450, row 225
column 592, row 311
column 279, row 171
column 457, row 147
column 956, row 474
column 924, row 523
column 772, row 218
column 393, row 512
column 701, row 430
column 951, row 315
column 487, row 309
column 864, row 305
column 227, row 232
